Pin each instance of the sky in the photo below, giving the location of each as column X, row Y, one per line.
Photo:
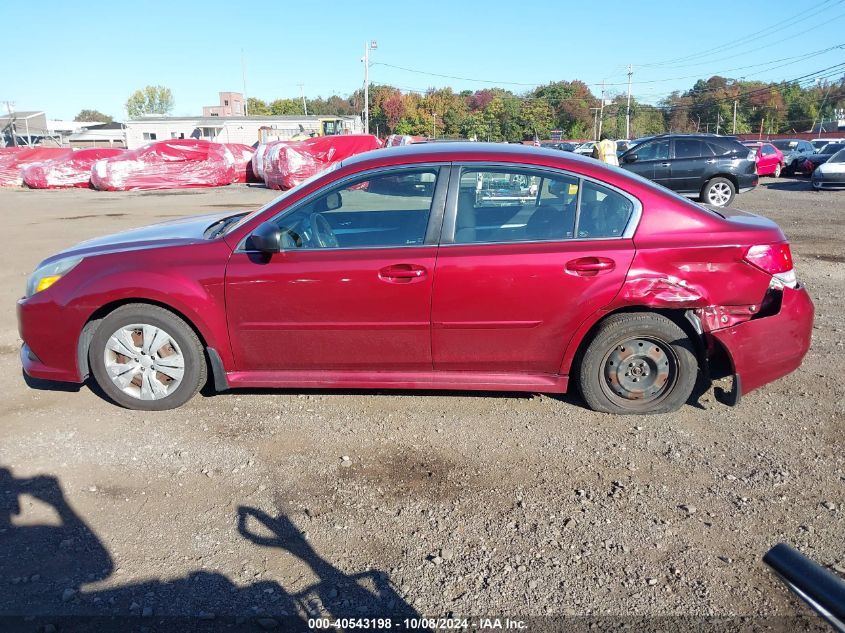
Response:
column 94, row 54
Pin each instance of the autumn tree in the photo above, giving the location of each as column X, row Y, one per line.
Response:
column 90, row 116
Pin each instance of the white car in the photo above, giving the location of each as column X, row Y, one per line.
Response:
column 585, row 148
column 831, row 174
column 818, row 143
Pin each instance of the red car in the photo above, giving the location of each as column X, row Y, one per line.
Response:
column 433, row 266
column 769, row 159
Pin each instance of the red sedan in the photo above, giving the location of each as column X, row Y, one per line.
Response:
column 769, row 159
column 454, row 266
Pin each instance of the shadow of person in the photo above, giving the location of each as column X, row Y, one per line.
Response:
column 45, row 547
column 336, row 593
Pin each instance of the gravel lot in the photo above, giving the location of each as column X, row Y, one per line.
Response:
column 247, row 507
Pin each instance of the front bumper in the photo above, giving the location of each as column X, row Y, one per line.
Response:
column 50, row 336
column 767, row 348
column 828, row 180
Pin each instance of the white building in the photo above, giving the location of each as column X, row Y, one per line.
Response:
column 237, row 129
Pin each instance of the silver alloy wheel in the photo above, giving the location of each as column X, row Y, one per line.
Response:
column 719, row 193
column 144, row 361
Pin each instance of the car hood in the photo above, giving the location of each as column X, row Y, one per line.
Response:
column 831, row 168
column 187, row 230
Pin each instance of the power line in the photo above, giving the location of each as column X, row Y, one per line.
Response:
column 761, row 34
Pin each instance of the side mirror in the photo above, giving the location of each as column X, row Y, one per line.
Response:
column 333, row 201
column 629, row 158
column 267, row 238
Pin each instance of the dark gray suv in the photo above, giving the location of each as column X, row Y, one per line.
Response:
column 704, row 166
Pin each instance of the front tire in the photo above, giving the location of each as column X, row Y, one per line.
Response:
column 778, row 170
column 638, row 363
column 718, row 192
column 145, row 357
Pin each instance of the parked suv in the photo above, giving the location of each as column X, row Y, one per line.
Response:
column 704, row 166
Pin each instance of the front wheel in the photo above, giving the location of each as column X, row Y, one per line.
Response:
column 778, row 169
column 719, row 192
column 145, row 357
column 638, row 363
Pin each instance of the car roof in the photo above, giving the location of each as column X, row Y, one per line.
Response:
column 467, row 150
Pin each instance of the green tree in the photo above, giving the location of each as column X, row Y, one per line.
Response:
column 257, row 107
column 93, row 116
column 150, row 100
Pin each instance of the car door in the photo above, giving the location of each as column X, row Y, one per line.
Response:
column 691, row 158
column 527, row 254
column 652, row 161
column 768, row 159
column 351, row 288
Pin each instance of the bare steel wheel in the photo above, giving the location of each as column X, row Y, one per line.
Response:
column 639, row 371
column 144, row 361
column 145, row 357
column 637, row 362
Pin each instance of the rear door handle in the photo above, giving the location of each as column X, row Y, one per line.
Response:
column 589, row 266
column 402, row 273
column 665, row 164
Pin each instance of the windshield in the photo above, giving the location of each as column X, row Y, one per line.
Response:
column 831, row 148
column 838, row 157
column 235, row 225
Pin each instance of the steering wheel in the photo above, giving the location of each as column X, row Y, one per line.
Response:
column 323, row 233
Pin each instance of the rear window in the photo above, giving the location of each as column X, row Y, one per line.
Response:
column 724, row 146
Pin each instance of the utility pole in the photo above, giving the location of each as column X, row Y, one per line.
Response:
column 595, row 123
column 718, row 120
column 601, row 112
column 302, row 94
column 433, row 125
column 628, row 110
column 243, row 77
column 368, row 46
column 734, row 116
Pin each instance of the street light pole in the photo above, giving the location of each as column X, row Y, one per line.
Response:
column 368, row 46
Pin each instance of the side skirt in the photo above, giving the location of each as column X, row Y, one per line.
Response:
column 447, row 380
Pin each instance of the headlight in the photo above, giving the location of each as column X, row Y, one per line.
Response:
column 47, row 275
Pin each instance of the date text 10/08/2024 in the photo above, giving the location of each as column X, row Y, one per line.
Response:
column 417, row 624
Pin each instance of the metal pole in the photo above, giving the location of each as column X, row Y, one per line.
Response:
column 734, row 116
column 718, row 120
column 628, row 110
column 302, row 93
column 601, row 113
column 366, row 87
column 243, row 77
column 433, row 125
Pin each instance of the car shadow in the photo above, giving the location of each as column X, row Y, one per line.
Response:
column 49, row 556
column 802, row 184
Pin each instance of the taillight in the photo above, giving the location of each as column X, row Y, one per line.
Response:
column 775, row 259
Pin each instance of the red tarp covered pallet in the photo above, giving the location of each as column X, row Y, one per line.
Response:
column 14, row 159
column 287, row 164
column 73, row 170
column 166, row 165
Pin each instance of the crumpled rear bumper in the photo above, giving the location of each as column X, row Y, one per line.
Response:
column 767, row 348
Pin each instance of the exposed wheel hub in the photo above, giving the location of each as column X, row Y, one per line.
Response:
column 637, row 369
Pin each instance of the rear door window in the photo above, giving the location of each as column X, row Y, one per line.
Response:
column 691, row 148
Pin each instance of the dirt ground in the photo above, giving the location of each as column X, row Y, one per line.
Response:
column 240, row 509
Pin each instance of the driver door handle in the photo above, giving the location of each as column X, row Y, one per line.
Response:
column 402, row 273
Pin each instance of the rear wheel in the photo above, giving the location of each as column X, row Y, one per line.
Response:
column 638, row 363
column 718, row 191
column 778, row 169
column 145, row 357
